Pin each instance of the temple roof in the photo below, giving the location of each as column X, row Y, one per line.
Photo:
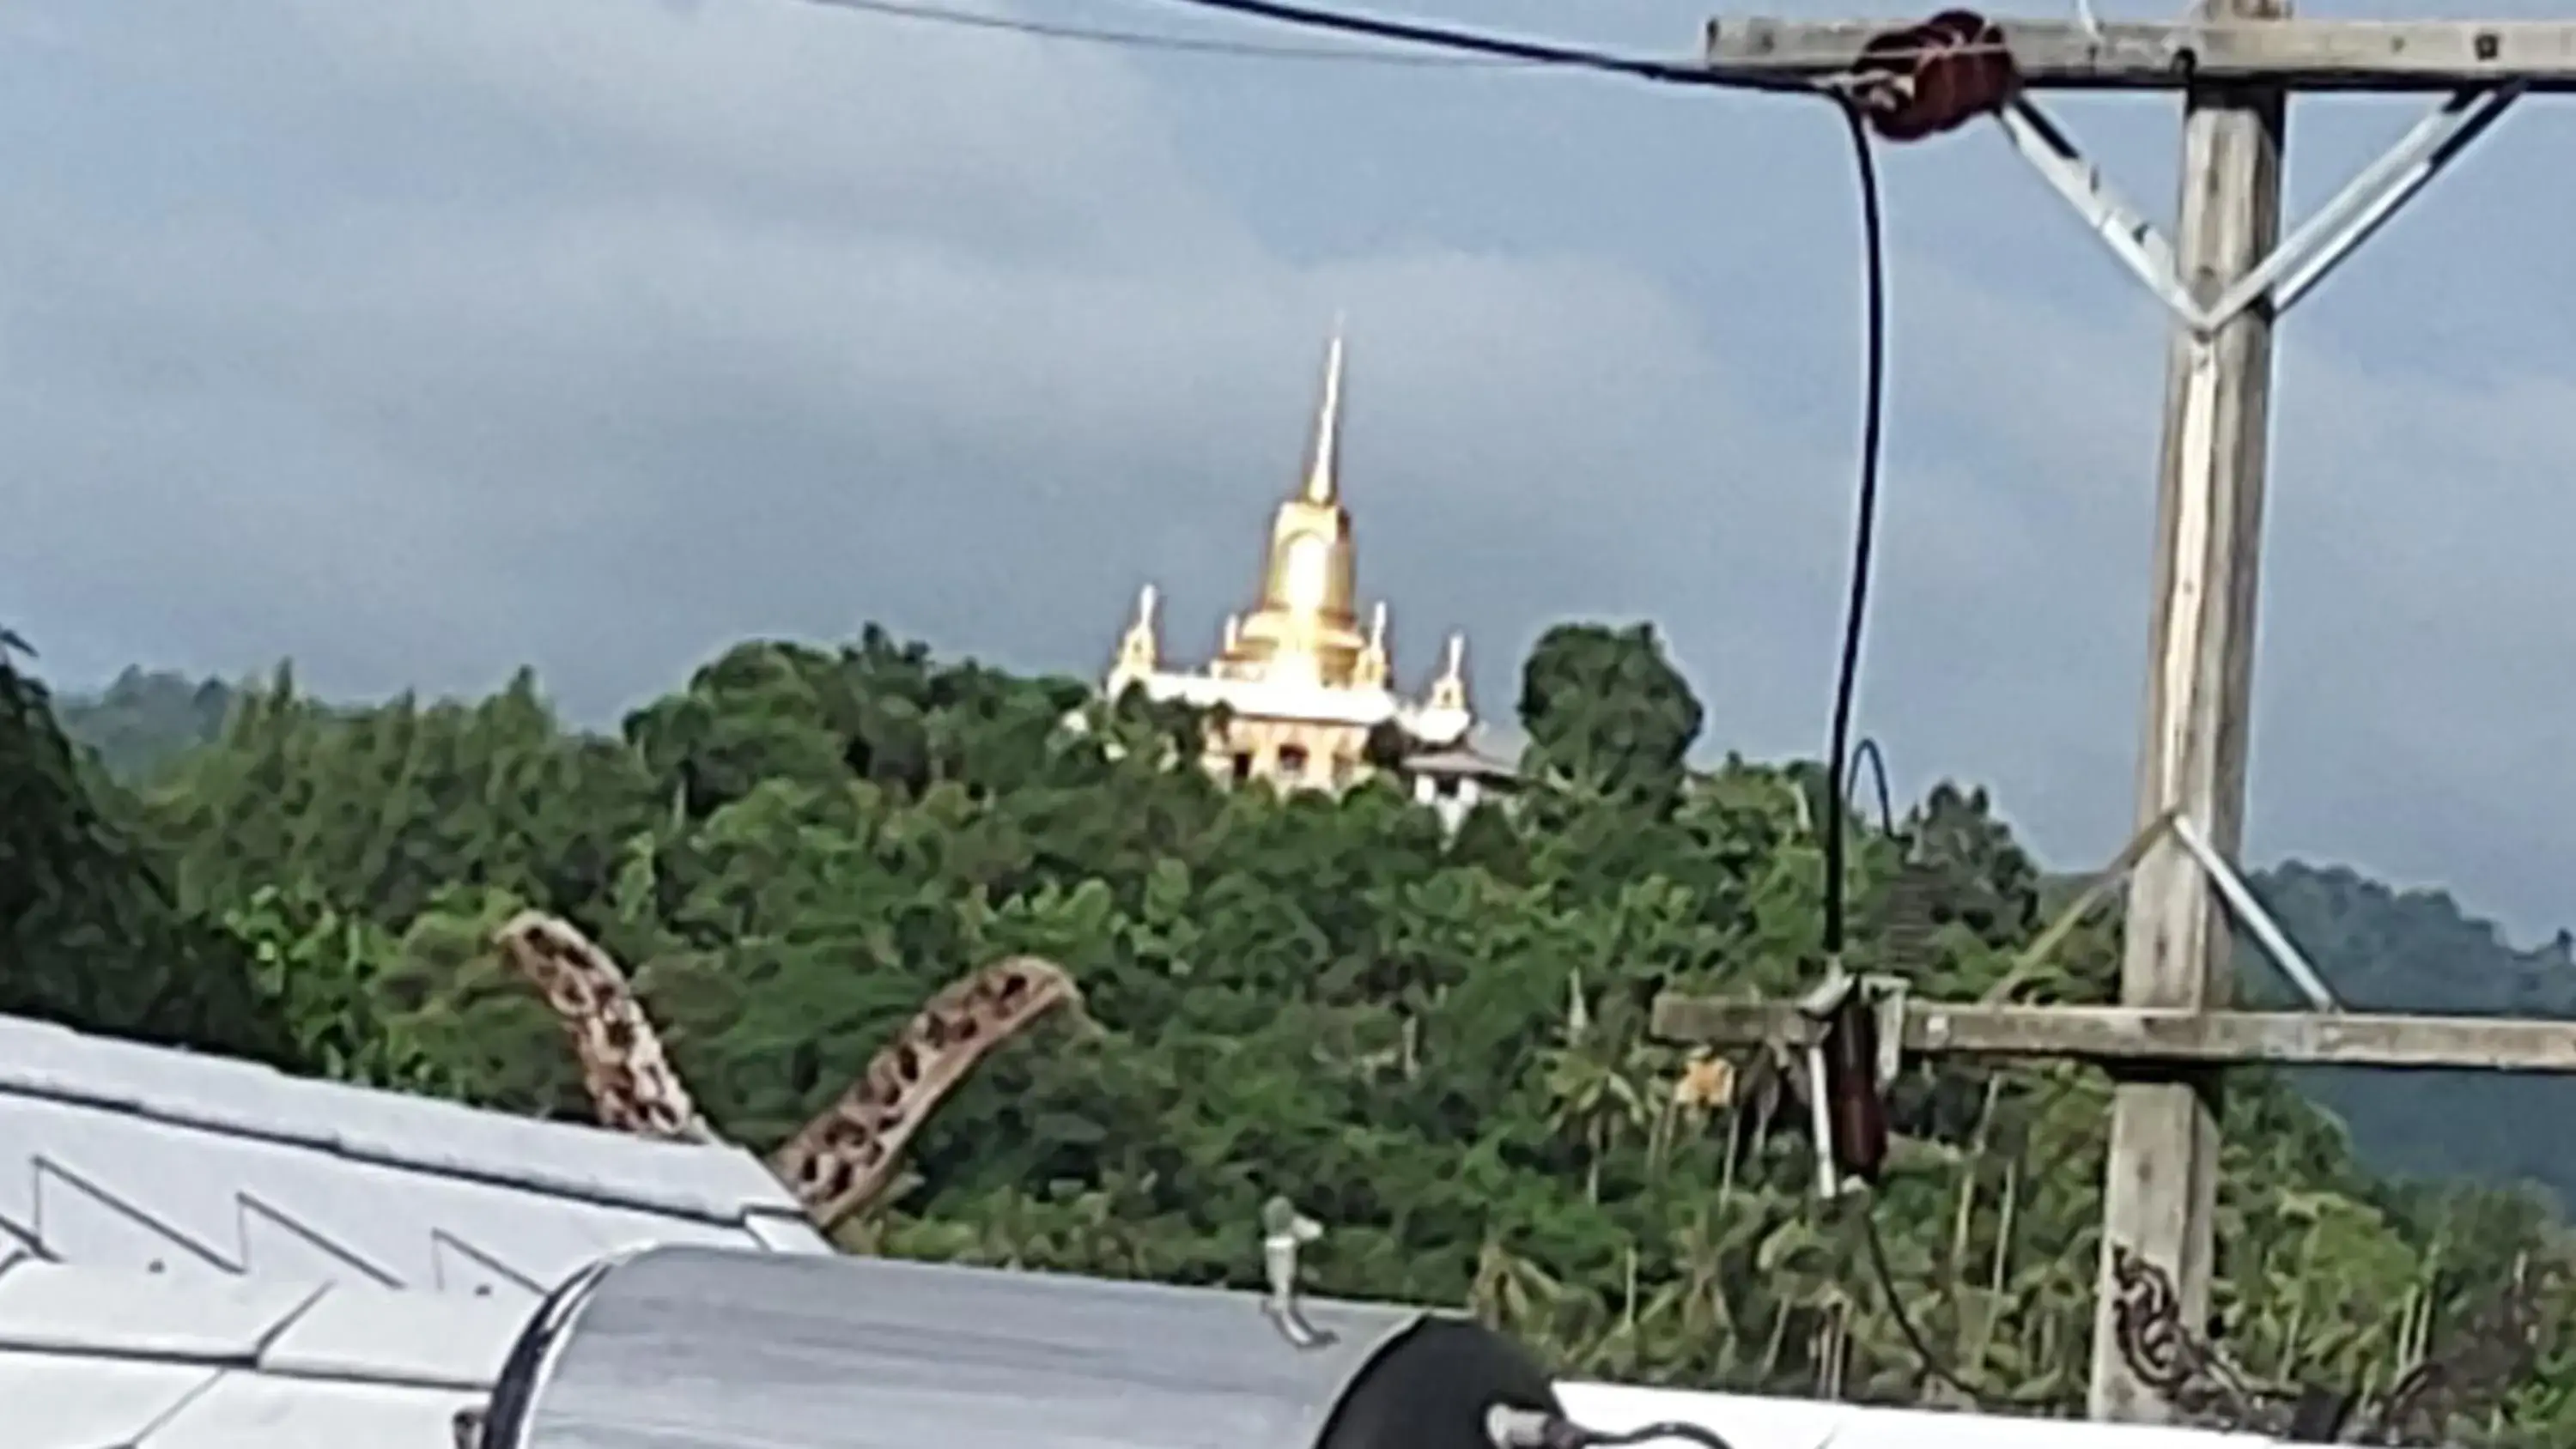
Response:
column 1302, row 652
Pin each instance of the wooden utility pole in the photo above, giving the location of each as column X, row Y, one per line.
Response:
column 2226, row 277
column 2161, row 1198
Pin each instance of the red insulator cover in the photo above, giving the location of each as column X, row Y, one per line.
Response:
column 1856, row 1110
column 1934, row 77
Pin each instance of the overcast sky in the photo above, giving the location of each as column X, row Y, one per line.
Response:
column 416, row 339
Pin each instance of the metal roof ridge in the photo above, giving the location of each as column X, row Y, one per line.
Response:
column 53, row 1083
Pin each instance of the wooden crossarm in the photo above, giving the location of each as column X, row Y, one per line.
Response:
column 2347, row 55
column 2118, row 1034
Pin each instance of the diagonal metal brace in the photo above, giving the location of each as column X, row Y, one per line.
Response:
column 2121, row 226
column 2303, row 258
column 2338, row 228
column 2248, row 912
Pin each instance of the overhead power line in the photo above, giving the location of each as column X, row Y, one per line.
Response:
column 1434, row 46
column 1182, row 44
column 1443, row 46
column 1473, row 42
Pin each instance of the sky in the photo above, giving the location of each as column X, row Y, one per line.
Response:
column 422, row 339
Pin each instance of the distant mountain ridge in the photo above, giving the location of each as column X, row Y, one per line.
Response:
column 2381, row 948
column 145, row 718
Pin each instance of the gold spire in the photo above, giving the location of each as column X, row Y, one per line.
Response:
column 1449, row 691
column 1324, row 464
column 1138, row 652
column 1373, row 667
column 1303, row 630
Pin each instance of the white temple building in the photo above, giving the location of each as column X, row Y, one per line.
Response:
column 1301, row 684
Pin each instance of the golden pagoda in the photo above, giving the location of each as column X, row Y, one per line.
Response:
column 1301, row 682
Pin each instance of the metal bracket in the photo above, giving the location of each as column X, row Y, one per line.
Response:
column 2304, row 257
column 2248, row 912
column 1284, row 1231
column 1886, row 998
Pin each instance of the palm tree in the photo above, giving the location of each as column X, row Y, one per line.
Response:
column 1594, row 1080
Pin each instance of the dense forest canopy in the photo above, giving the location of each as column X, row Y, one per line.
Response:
column 89, row 932
column 1433, row 1042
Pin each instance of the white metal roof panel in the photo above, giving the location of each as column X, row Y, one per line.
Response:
column 94, row 1358
column 55, row 1402
column 1748, row 1422
column 164, row 1161
column 379, row 1337
column 101, row 1359
column 244, row 1412
column 51, row 1309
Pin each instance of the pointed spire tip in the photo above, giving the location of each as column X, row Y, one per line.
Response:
column 1323, row 472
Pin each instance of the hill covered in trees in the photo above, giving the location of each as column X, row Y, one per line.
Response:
column 90, row 931
column 2383, row 949
column 146, row 718
column 2387, row 950
column 1434, row 1043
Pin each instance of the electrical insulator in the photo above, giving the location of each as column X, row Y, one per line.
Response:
column 1854, row 1104
column 1933, row 77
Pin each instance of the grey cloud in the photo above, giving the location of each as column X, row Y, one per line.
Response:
column 420, row 341
column 632, row 410
column 2407, row 683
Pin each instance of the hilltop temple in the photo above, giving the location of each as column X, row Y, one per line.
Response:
column 1302, row 682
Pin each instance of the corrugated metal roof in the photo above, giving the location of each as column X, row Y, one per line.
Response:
column 221, row 1236
column 96, row 1358
column 166, row 1162
column 1747, row 1422
column 710, row 1350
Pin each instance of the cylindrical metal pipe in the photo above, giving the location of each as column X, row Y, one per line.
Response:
column 698, row 1348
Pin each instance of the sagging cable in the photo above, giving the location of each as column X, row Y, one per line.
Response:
column 1509, row 1427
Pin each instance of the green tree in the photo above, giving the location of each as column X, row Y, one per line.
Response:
column 327, row 973
column 1434, row 1043
column 1607, row 714
column 89, row 934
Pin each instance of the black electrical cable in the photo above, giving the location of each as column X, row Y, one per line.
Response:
column 1508, row 1427
column 1647, row 1434
column 1925, row 1356
column 1868, row 753
column 1478, row 43
column 1864, row 538
column 1844, row 759
column 1465, row 47
column 1184, row 44
column 1930, row 1360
